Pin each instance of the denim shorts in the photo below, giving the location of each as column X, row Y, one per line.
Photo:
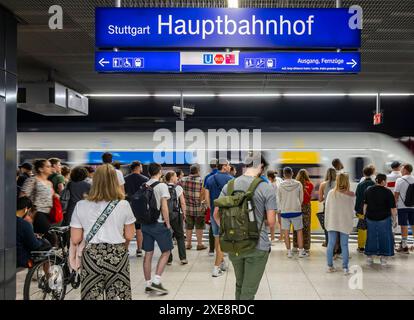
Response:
column 159, row 233
column 406, row 217
column 214, row 226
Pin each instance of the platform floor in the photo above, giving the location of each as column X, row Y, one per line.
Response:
column 291, row 279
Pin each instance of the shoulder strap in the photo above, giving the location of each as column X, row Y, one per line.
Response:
column 254, row 184
column 215, row 181
column 230, row 187
column 101, row 220
column 153, row 185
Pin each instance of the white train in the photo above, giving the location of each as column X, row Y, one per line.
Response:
column 305, row 149
column 311, row 150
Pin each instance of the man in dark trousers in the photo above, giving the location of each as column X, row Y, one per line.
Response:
column 133, row 182
column 213, row 187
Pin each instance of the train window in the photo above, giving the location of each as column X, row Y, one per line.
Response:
column 28, row 156
column 359, row 164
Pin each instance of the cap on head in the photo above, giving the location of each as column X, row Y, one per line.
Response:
column 395, row 165
column 255, row 159
column 27, row 166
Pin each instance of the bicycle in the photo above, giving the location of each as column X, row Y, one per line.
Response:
column 49, row 273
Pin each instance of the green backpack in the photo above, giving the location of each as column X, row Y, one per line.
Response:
column 238, row 226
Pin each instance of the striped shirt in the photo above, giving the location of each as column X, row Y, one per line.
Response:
column 392, row 178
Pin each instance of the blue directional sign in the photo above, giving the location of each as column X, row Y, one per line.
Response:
column 137, row 61
column 225, row 28
column 284, row 62
column 224, row 62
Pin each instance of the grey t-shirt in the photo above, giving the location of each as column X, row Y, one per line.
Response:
column 264, row 199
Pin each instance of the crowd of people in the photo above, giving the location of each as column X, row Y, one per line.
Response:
column 106, row 210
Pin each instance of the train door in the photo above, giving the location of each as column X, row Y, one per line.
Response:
column 309, row 160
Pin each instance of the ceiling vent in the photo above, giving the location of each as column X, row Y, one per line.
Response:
column 51, row 99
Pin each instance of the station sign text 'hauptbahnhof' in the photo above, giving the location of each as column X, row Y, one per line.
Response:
column 225, row 28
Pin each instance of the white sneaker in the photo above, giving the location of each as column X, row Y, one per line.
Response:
column 370, row 260
column 346, row 272
column 211, row 253
column 223, row 266
column 330, row 269
column 289, row 254
column 217, row 272
column 303, row 254
column 295, row 250
column 383, row 261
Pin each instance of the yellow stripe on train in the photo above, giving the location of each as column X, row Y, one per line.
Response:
column 299, row 157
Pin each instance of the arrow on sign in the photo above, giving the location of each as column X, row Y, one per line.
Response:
column 354, row 63
column 103, row 62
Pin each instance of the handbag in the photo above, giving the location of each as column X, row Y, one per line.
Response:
column 208, row 216
column 56, row 213
column 321, row 218
column 76, row 251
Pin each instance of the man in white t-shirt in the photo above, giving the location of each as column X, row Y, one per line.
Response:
column 107, row 158
column 405, row 214
column 177, row 209
column 394, row 175
column 159, row 232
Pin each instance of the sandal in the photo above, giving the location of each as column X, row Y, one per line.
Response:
column 189, row 247
column 201, row 247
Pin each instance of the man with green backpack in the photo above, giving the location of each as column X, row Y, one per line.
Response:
column 245, row 210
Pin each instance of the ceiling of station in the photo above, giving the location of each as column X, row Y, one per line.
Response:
column 68, row 55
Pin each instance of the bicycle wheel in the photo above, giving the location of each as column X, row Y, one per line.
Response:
column 45, row 281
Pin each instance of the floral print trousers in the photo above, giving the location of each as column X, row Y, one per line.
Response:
column 306, row 216
column 105, row 272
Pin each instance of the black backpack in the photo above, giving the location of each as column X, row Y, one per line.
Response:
column 173, row 203
column 144, row 204
column 409, row 196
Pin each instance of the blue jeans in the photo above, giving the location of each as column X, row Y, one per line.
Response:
column 344, row 247
column 380, row 239
column 213, row 224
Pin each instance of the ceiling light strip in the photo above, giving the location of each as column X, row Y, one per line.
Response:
column 241, row 95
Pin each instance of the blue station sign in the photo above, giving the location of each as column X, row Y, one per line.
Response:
column 228, row 62
column 212, row 28
column 137, row 62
